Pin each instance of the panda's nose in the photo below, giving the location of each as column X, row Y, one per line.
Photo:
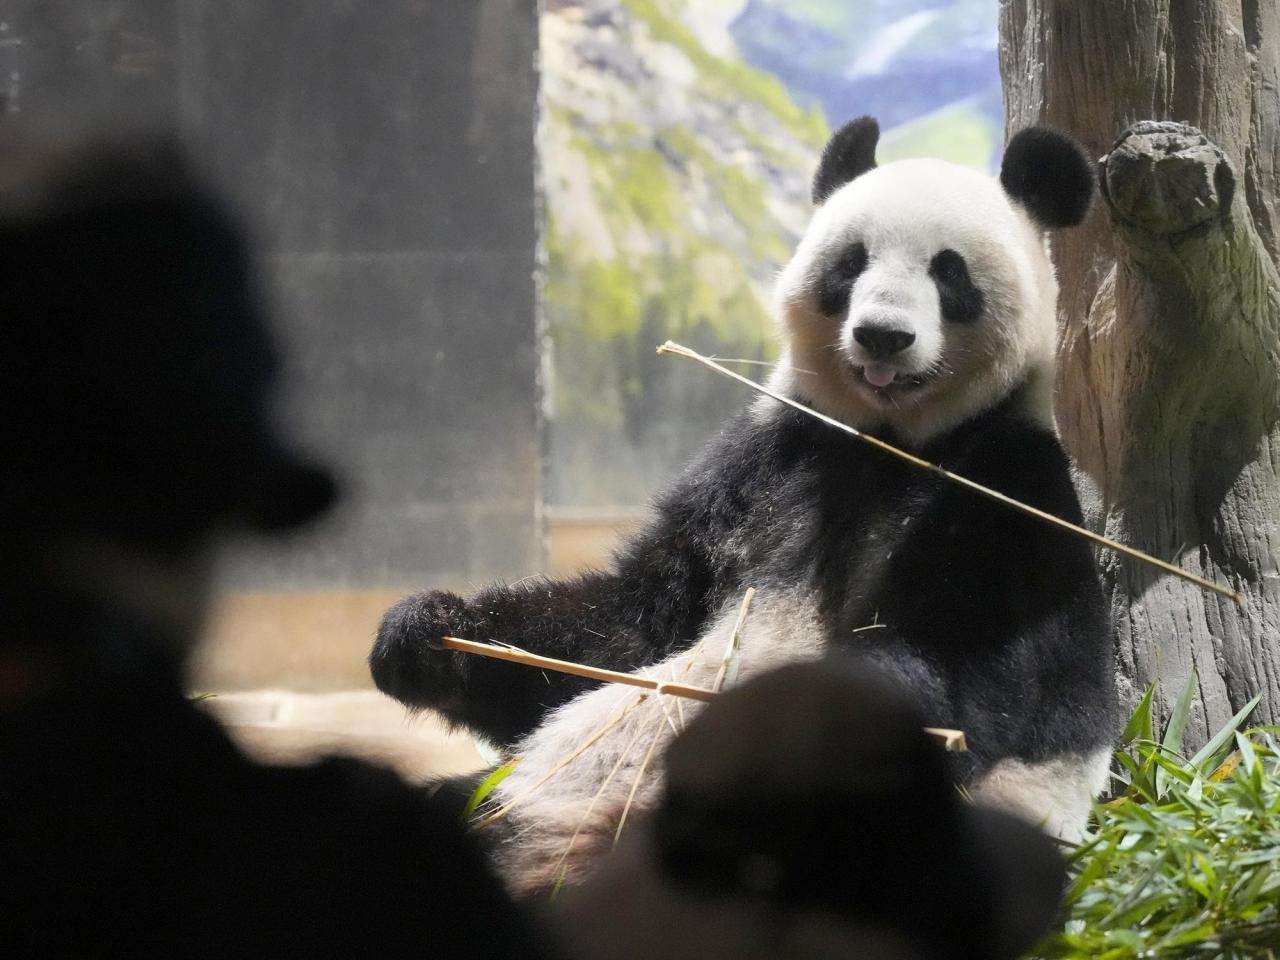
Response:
column 882, row 342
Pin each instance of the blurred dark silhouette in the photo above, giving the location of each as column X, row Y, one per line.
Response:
column 807, row 815
column 136, row 377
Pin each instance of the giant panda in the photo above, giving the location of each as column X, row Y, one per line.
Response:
column 919, row 306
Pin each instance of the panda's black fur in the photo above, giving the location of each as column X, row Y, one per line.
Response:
column 994, row 621
column 995, row 618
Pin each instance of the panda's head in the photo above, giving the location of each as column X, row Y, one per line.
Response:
column 922, row 292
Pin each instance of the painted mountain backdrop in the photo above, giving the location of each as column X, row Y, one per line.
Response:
column 677, row 142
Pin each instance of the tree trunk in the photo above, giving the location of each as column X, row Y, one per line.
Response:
column 1168, row 396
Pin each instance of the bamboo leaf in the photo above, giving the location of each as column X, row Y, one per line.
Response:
column 1140, row 779
column 1195, row 792
column 1196, row 934
column 1193, row 871
column 1140, row 725
column 486, row 787
column 1173, row 733
column 1209, row 752
column 1249, row 758
column 1177, row 727
column 1227, row 767
column 1252, row 890
column 1210, row 875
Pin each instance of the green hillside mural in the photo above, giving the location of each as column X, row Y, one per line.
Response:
column 677, row 143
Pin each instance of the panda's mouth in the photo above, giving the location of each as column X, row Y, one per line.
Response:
column 885, row 380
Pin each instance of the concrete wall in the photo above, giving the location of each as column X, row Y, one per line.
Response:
column 383, row 155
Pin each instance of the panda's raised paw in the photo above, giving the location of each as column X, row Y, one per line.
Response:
column 409, row 662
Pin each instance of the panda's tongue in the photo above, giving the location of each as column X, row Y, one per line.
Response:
column 879, row 374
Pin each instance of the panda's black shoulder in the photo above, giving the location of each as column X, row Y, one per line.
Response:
column 758, row 465
column 754, row 448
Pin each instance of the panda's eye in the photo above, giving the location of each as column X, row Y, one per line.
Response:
column 837, row 280
column 961, row 301
column 949, row 267
column 852, row 262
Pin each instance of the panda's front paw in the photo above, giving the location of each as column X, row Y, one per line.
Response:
column 408, row 661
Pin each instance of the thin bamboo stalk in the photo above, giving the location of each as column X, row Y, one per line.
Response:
column 579, row 669
column 953, row 740
column 682, row 351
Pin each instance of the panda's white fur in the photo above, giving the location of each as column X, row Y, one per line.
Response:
column 1057, row 794
column 833, row 537
column 888, row 208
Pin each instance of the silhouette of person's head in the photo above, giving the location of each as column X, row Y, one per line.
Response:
column 137, row 375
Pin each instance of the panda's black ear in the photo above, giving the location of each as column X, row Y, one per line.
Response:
column 1050, row 175
column 849, row 153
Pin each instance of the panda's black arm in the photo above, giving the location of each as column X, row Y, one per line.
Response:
column 667, row 580
column 1035, row 679
column 655, row 602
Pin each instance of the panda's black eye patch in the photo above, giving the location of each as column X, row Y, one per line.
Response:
column 961, row 300
column 837, row 280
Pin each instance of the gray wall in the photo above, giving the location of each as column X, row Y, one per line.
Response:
column 383, row 154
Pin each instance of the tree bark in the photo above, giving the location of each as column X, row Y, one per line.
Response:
column 1168, row 396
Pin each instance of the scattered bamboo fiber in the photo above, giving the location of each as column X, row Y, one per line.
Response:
column 578, row 751
column 682, row 351
column 953, row 740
